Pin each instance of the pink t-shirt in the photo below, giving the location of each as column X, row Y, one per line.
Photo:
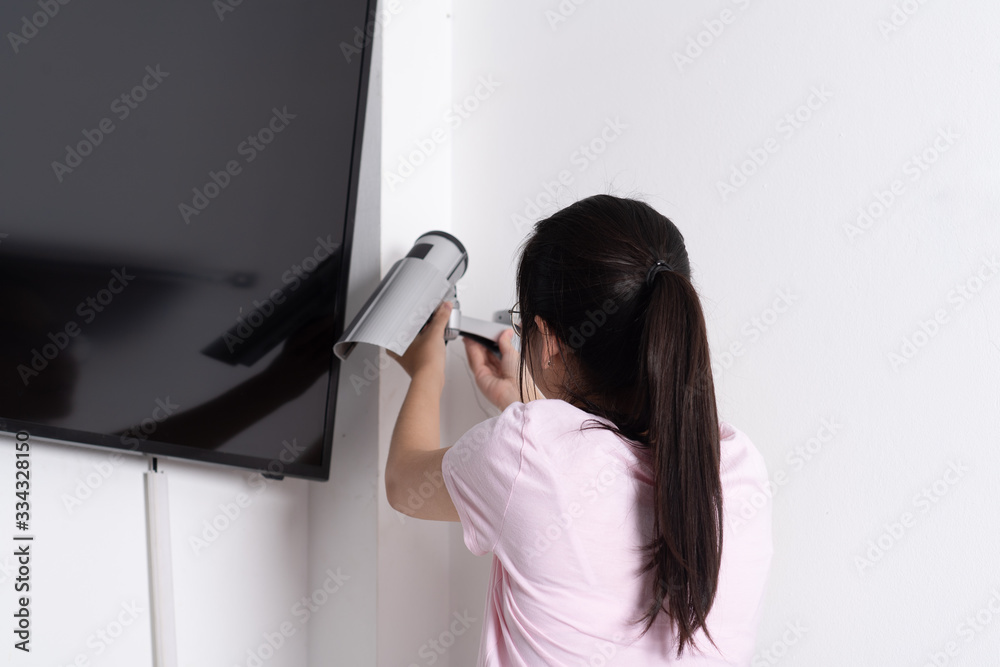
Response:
column 564, row 513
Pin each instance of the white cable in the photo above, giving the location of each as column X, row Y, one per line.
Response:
column 160, row 569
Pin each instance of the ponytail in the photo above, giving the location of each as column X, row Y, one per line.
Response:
column 685, row 553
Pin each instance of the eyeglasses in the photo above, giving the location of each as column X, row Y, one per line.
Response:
column 515, row 320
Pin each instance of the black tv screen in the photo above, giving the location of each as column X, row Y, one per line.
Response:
column 177, row 197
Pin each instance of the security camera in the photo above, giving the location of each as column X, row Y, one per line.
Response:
column 408, row 295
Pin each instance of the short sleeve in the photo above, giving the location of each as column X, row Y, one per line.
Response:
column 480, row 471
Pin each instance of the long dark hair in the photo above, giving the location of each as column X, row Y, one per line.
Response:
column 637, row 354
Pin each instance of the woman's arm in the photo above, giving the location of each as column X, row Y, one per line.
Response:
column 414, row 484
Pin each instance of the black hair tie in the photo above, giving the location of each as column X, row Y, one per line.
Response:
column 656, row 268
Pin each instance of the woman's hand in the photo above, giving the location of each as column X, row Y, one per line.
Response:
column 426, row 355
column 497, row 378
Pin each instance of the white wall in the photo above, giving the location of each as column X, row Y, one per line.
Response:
column 412, row 554
column 854, row 298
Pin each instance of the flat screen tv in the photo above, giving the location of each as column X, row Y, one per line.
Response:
column 177, row 196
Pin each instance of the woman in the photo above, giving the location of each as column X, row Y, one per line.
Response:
column 608, row 490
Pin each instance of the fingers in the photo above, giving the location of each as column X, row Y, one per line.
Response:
column 481, row 360
column 475, row 353
column 506, row 343
column 510, row 357
column 438, row 319
column 442, row 314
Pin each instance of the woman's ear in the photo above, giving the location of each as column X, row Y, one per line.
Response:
column 550, row 345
